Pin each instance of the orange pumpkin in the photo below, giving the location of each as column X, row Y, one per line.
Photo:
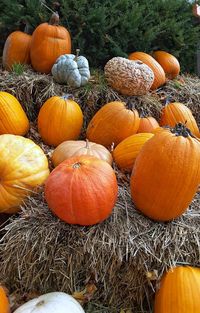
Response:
column 179, row 291
column 169, row 63
column 16, row 49
column 113, row 123
column 49, row 41
column 72, row 148
column 4, row 303
column 166, row 174
column 157, row 130
column 59, row 119
column 147, row 124
column 176, row 112
column 13, row 119
column 23, row 167
column 82, row 190
column 159, row 74
column 127, row 150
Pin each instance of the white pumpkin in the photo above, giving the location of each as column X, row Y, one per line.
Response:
column 71, row 69
column 53, row 302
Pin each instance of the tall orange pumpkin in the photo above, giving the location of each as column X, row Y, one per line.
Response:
column 159, row 74
column 166, row 174
column 4, row 303
column 49, row 41
column 13, row 119
column 179, row 291
column 169, row 63
column 82, row 190
column 114, row 122
column 147, row 124
column 59, row 119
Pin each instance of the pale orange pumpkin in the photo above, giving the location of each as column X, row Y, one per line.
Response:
column 13, row 119
column 147, row 124
column 4, row 303
column 59, row 119
column 169, row 63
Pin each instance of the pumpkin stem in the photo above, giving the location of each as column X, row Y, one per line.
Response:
column 54, row 20
column 40, row 303
column 67, row 96
column 130, row 105
column 87, row 144
column 181, row 130
column 77, row 54
column 76, row 165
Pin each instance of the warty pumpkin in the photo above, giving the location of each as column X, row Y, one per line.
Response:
column 72, row 148
column 114, row 122
column 159, row 74
column 13, row 119
column 23, row 167
column 166, row 174
column 4, row 303
column 169, row 63
column 59, row 119
column 147, row 124
column 49, row 41
column 179, row 291
column 82, row 190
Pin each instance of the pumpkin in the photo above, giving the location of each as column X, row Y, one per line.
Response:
column 114, row 122
column 23, row 167
column 71, row 70
column 147, row 124
column 16, row 49
column 59, row 119
column 82, row 190
column 59, row 302
column 13, row 119
column 4, row 303
column 49, row 41
column 176, row 112
column 71, row 148
column 179, row 291
column 159, row 74
column 166, row 174
column 127, row 150
column 127, row 77
column 169, row 63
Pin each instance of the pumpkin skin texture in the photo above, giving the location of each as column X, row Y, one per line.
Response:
column 166, row 174
column 72, row 148
column 169, row 63
column 23, row 167
column 147, row 124
column 59, row 119
column 112, row 124
column 49, row 41
column 159, row 74
column 51, row 302
column 16, row 49
column 127, row 150
column 179, row 291
column 82, row 190
column 176, row 112
column 13, row 119
column 4, row 303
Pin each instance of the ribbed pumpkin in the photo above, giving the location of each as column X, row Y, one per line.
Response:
column 49, row 41
column 72, row 148
column 166, row 174
column 147, row 124
column 13, row 119
column 169, row 63
column 114, row 122
column 59, row 119
column 127, row 150
column 176, row 112
column 23, row 167
column 82, row 190
column 159, row 74
column 4, row 303
column 179, row 291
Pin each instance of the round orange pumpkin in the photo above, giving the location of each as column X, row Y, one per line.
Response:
column 169, row 63
column 147, row 124
column 72, row 148
column 49, row 41
column 159, row 74
column 127, row 150
column 23, row 167
column 13, row 119
column 179, row 291
column 4, row 303
column 166, row 174
column 59, row 119
column 82, row 190
column 176, row 112
column 114, row 122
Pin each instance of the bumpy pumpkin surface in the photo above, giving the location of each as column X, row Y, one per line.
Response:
column 169, row 63
column 23, row 166
column 4, row 303
column 128, row 77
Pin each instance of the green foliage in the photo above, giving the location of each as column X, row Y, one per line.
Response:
column 18, row 69
column 103, row 29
